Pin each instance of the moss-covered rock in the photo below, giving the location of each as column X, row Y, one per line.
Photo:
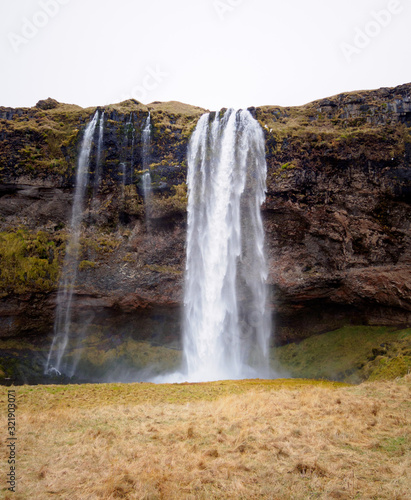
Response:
column 28, row 262
column 350, row 354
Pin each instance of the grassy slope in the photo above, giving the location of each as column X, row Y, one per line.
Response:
column 352, row 354
column 243, row 440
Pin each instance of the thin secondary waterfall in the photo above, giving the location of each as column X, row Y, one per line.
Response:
column 123, row 171
column 146, row 177
column 127, row 153
column 226, row 325
column 146, row 138
column 65, row 294
column 99, row 156
column 147, row 191
column 133, row 142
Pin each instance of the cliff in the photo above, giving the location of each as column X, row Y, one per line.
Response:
column 337, row 215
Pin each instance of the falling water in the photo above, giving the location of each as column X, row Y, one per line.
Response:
column 65, row 294
column 127, row 159
column 133, row 141
column 146, row 136
column 123, row 172
column 99, row 156
column 146, row 177
column 227, row 326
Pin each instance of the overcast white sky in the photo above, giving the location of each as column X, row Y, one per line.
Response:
column 210, row 53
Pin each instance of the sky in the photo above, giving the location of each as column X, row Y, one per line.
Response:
column 209, row 53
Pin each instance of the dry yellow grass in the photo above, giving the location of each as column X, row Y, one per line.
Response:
column 264, row 440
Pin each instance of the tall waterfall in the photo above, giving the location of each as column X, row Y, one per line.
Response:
column 226, row 325
column 69, row 274
column 146, row 177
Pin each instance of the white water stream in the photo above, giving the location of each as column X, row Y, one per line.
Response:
column 227, row 325
column 62, row 322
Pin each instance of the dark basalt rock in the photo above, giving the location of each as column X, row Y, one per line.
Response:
column 336, row 215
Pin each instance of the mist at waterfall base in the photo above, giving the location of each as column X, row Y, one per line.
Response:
column 226, row 324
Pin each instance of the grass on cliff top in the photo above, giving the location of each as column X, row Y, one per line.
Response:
column 352, row 354
column 173, row 121
column 176, row 108
column 235, row 440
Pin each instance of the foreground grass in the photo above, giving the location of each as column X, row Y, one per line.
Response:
column 284, row 439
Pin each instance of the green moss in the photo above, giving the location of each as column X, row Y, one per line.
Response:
column 389, row 369
column 166, row 205
column 87, row 264
column 288, row 166
column 102, row 244
column 129, row 257
column 50, row 137
column 348, row 354
column 17, row 344
column 99, row 358
column 164, row 269
column 28, row 261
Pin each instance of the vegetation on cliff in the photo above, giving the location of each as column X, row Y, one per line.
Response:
column 350, row 354
column 28, row 262
column 42, row 142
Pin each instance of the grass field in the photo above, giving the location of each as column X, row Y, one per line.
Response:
column 281, row 439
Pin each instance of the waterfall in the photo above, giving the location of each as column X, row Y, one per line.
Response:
column 62, row 322
column 146, row 177
column 146, row 137
column 99, row 156
column 147, row 193
column 123, row 172
column 127, row 157
column 133, row 140
column 226, row 325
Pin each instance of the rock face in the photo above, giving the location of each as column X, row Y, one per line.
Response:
column 338, row 210
column 337, row 215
